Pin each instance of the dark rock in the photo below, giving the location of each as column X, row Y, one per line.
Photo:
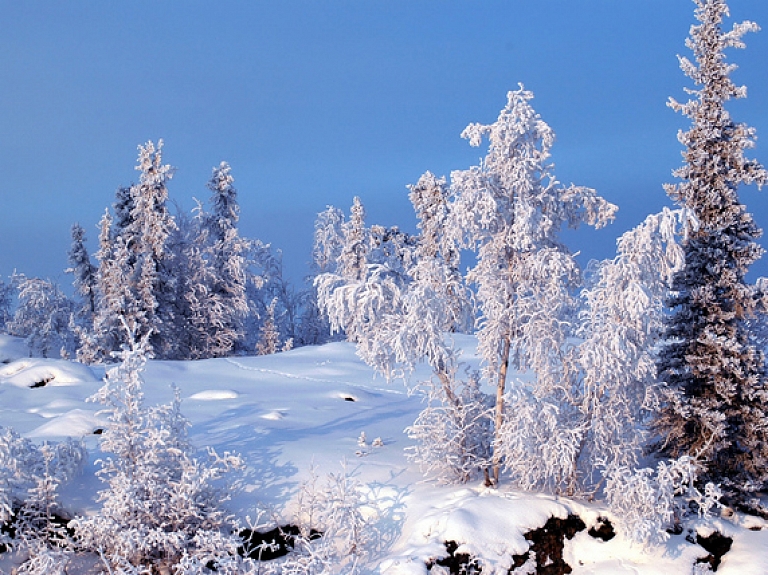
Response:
column 547, row 543
column 43, row 382
column 268, row 545
column 602, row 529
column 717, row 545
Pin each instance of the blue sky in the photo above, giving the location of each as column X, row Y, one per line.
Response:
column 314, row 102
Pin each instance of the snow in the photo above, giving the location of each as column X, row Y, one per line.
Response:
column 12, row 348
column 215, row 395
column 285, row 412
column 49, row 372
column 73, row 423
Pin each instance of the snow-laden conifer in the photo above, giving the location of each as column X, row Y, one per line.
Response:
column 123, row 210
column 228, row 252
column 84, row 273
column 151, row 280
column 135, row 277
column 269, row 342
column 7, row 295
column 114, row 303
column 161, row 504
column 211, row 273
column 716, row 405
column 354, row 250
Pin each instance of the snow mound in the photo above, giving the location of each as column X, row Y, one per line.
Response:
column 487, row 525
column 12, row 348
column 54, row 408
column 35, row 372
column 74, row 423
column 274, row 415
column 214, row 395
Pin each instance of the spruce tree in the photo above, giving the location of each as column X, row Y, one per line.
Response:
column 217, row 258
column 230, row 249
column 85, row 275
column 151, row 226
column 135, row 278
column 352, row 259
column 716, row 407
column 328, row 243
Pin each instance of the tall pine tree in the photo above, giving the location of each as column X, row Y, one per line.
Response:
column 85, row 275
column 716, row 406
column 217, row 294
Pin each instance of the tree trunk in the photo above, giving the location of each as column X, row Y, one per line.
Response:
column 499, row 415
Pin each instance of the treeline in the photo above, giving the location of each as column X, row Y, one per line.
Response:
column 194, row 283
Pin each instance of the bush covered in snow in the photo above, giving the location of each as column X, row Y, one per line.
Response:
column 161, row 507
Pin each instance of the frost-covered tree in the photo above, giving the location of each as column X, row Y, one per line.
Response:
column 152, row 281
column 7, row 295
column 84, row 273
column 42, row 316
column 510, row 209
column 211, row 272
column 401, row 309
column 436, row 249
column 269, row 342
column 228, row 250
column 114, row 303
column 123, row 210
column 353, row 259
column 716, row 402
column 620, row 325
column 326, row 248
column 365, row 287
column 328, row 240
column 161, row 506
column 135, row 279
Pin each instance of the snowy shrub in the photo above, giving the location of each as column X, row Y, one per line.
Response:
column 23, row 464
column 338, row 533
column 651, row 501
column 42, row 316
column 453, row 438
column 539, row 440
column 160, row 504
column 46, row 561
column 29, row 478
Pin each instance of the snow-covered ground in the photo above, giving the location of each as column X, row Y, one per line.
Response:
column 287, row 412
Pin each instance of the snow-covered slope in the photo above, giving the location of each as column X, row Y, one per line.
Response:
column 285, row 412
